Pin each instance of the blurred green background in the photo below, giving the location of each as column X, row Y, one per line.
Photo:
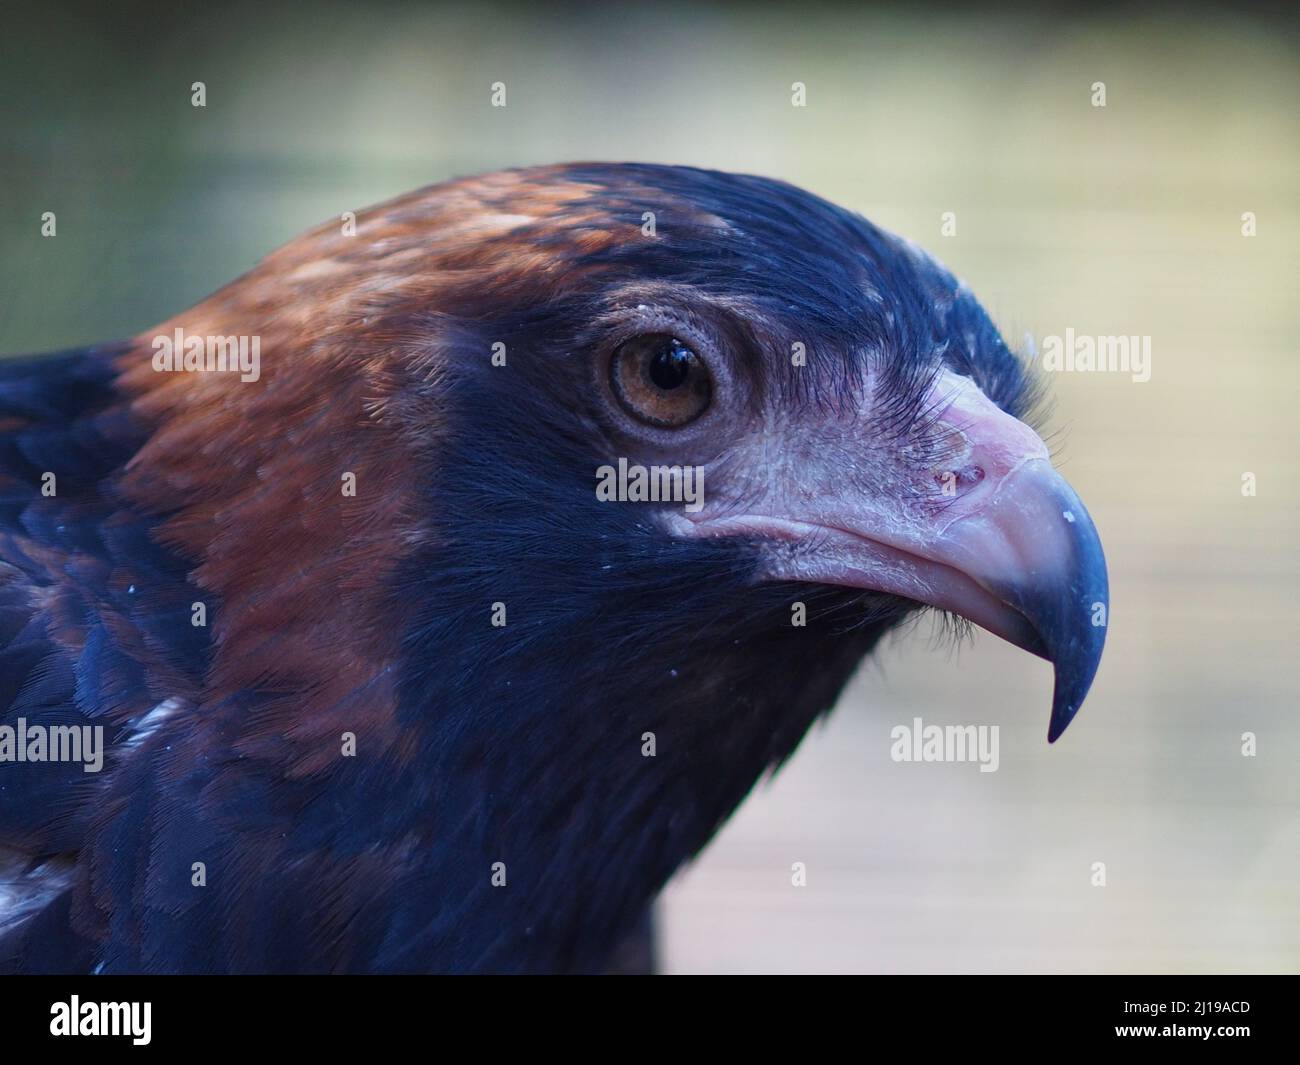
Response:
column 1117, row 220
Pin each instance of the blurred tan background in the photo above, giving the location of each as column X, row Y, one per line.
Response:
column 1117, row 220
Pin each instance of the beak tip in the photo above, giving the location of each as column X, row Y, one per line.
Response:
column 1061, row 718
column 1074, row 677
column 1072, row 616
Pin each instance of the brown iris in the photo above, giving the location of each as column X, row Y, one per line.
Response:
column 660, row 381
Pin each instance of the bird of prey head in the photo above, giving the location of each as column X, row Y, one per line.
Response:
column 389, row 677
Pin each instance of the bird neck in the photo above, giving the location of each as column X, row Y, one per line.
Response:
column 574, row 756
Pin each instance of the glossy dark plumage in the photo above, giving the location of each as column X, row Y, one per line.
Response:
column 370, row 614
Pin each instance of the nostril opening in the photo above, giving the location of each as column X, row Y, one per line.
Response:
column 959, row 480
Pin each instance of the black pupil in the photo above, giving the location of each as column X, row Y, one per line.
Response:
column 671, row 366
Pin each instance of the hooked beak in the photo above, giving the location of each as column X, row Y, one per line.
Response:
column 1009, row 545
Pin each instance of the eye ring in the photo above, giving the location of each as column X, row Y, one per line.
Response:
column 660, row 381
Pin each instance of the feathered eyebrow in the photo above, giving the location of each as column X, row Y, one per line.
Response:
column 733, row 320
column 690, row 298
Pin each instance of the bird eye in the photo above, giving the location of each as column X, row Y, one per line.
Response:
column 660, row 381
